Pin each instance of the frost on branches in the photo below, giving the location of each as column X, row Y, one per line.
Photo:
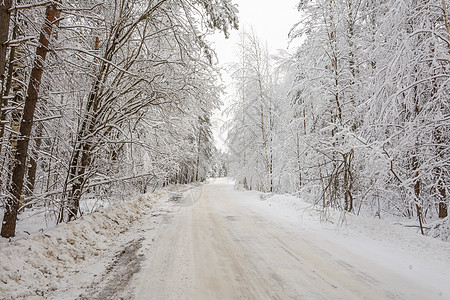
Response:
column 118, row 92
column 358, row 119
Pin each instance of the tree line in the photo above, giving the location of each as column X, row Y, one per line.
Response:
column 95, row 92
column 358, row 118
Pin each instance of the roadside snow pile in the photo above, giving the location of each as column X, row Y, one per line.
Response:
column 33, row 265
column 293, row 207
column 440, row 229
column 386, row 243
column 342, row 221
column 364, row 233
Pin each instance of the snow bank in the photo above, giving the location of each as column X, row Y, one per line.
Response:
column 407, row 238
column 440, row 229
column 32, row 265
column 398, row 248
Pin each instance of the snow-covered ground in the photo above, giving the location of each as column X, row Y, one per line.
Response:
column 69, row 260
column 215, row 242
column 423, row 260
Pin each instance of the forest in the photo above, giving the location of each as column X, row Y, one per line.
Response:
column 102, row 98
column 357, row 118
column 105, row 98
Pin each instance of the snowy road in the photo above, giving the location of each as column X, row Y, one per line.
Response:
column 215, row 244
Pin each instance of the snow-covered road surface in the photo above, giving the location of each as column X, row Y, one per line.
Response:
column 221, row 245
column 215, row 242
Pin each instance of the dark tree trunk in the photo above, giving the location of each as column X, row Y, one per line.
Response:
column 5, row 18
column 415, row 165
column 81, row 157
column 348, row 181
column 79, row 177
column 12, row 204
column 443, row 211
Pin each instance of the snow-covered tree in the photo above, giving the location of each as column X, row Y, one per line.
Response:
column 357, row 118
column 251, row 139
column 120, row 76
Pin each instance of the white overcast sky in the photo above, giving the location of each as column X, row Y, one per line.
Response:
column 271, row 21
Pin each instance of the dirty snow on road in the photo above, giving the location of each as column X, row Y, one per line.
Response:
column 215, row 242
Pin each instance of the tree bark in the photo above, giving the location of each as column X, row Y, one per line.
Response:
column 33, row 161
column 6, row 88
column 12, row 204
column 443, row 210
column 415, row 167
column 18, row 92
column 447, row 25
column 199, row 139
column 5, row 18
column 348, row 181
column 81, row 158
column 440, row 174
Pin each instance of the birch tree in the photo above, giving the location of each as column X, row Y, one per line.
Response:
column 18, row 171
column 252, row 116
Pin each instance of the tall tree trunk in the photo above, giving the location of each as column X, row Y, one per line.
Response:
column 447, row 24
column 440, row 174
column 348, row 181
column 351, row 54
column 443, row 211
column 78, row 180
column 81, row 157
column 336, row 108
column 18, row 89
column 197, row 167
column 79, row 162
column 415, row 165
column 299, row 164
column 33, row 161
column 4, row 101
column 5, row 18
column 12, row 205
